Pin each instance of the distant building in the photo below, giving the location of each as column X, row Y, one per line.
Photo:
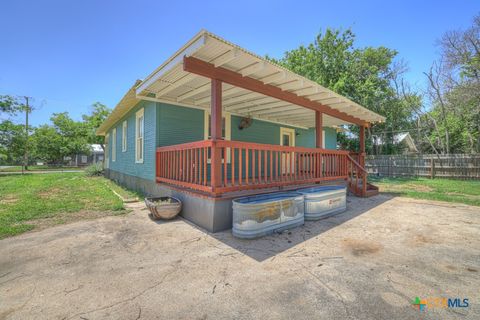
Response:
column 96, row 155
column 404, row 140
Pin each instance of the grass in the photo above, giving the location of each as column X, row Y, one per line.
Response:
column 459, row 191
column 124, row 193
column 26, row 200
column 38, row 168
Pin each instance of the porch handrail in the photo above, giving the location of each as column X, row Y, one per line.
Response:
column 241, row 144
column 357, row 171
column 357, row 164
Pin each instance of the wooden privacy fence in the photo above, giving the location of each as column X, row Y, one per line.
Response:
column 460, row 166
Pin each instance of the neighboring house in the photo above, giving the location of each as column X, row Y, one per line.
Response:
column 403, row 140
column 216, row 121
column 96, row 155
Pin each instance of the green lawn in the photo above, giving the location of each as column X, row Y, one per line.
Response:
column 38, row 168
column 460, row 191
column 29, row 201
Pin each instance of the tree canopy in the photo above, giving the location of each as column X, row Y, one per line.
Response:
column 453, row 122
column 364, row 75
column 51, row 143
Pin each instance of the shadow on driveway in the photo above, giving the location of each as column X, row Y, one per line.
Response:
column 269, row 246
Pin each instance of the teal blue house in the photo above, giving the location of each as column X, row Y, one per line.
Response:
column 216, row 121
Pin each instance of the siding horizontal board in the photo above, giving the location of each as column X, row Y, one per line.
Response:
column 125, row 161
column 167, row 124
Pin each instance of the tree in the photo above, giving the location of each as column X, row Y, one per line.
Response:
column 12, row 142
column 64, row 138
column 9, row 104
column 454, row 92
column 99, row 113
column 74, row 135
column 364, row 75
column 47, row 144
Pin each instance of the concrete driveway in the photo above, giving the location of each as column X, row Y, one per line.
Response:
column 368, row 263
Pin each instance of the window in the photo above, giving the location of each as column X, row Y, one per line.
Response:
column 107, row 151
column 226, row 126
column 124, row 136
column 226, row 129
column 83, row 159
column 114, row 144
column 139, row 134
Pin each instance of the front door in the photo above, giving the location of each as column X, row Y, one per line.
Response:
column 287, row 138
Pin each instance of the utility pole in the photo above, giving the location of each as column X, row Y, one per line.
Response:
column 27, row 111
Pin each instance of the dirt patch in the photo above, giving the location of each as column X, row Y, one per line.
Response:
column 69, row 217
column 360, row 248
column 47, row 194
column 468, row 196
column 417, row 187
column 423, row 239
column 8, row 199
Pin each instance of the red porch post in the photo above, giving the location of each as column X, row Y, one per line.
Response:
column 319, row 129
column 216, row 132
column 362, row 146
column 361, row 158
column 318, row 141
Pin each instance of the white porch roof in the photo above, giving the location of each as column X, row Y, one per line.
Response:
column 169, row 83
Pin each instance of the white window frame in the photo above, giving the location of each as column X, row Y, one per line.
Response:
column 124, row 136
column 107, row 151
column 228, row 129
column 114, row 144
column 289, row 131
column 139, row 141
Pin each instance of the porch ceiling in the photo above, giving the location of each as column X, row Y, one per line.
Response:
column 169, row 83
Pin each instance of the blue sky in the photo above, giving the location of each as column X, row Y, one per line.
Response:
column 69, row 54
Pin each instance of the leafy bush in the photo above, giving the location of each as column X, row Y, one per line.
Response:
column 95, row 169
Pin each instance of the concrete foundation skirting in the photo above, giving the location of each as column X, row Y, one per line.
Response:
column 211, row 214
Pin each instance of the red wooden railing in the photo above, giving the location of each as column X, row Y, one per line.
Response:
column 247, row 165
column 357, row 176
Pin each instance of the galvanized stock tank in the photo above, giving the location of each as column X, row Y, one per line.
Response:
column 324, row 201
column 259, row 215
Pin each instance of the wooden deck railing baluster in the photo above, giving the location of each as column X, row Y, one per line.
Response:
column 252, row 166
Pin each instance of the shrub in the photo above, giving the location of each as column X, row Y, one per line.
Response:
column 95, row 169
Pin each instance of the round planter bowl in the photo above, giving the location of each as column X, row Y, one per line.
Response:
column 165, row 211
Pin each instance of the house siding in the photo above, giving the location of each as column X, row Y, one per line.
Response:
column 125, row 161
column 181, row 125
column 169, row 125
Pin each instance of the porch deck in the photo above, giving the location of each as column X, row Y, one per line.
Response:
column 256, row 167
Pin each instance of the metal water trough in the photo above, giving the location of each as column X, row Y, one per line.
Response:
column 259, row 215
column 324, row 201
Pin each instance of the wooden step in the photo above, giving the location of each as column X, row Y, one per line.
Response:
column 372, row 190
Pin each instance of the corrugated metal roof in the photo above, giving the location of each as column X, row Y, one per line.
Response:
column 169, row 83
